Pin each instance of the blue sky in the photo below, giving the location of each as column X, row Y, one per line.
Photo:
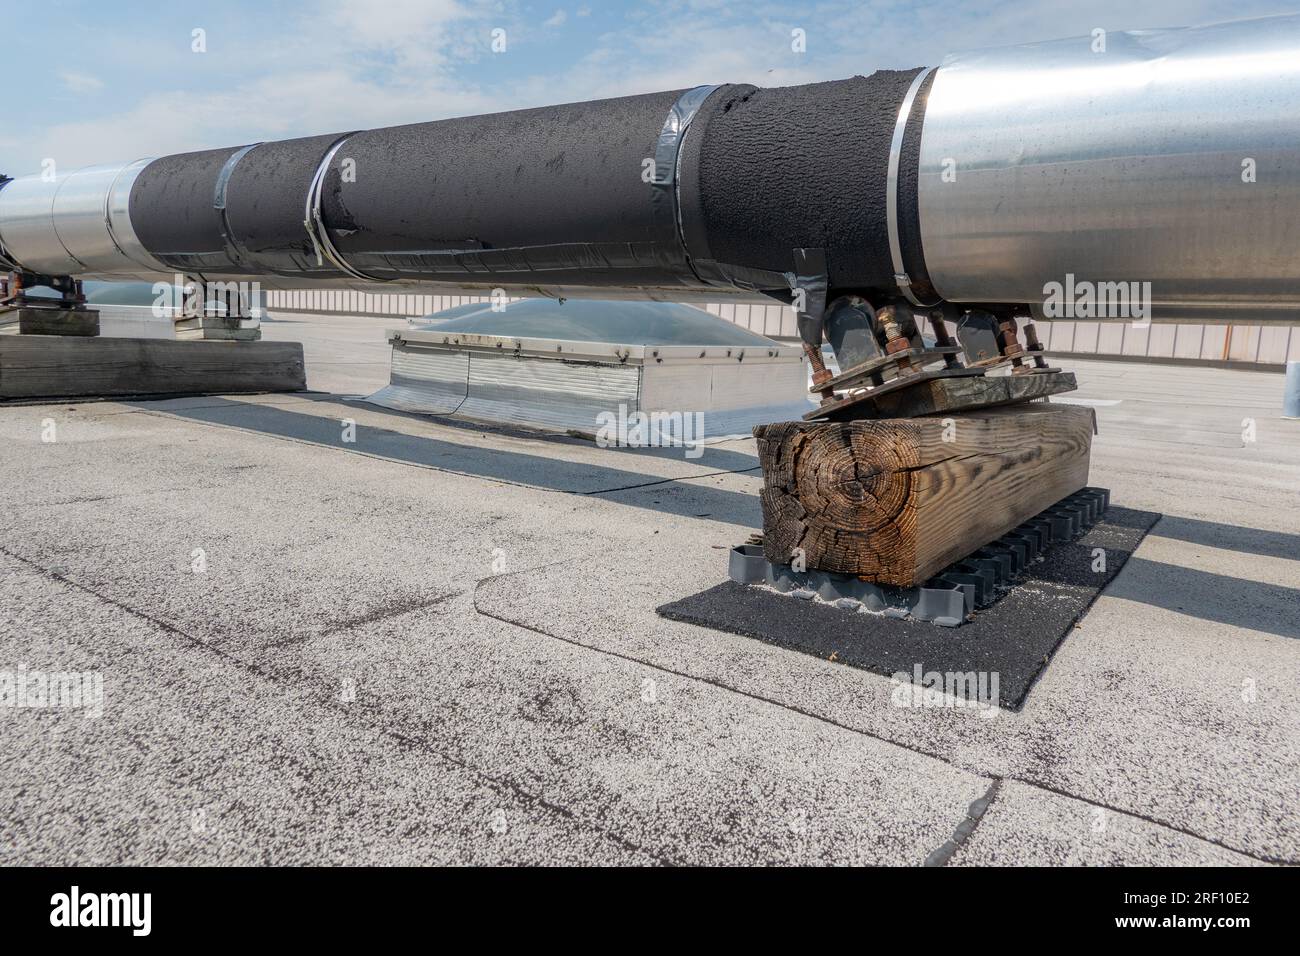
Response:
column 125, row 82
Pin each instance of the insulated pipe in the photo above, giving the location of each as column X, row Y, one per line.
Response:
column 1165, row 162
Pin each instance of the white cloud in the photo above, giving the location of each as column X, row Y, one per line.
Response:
column 556, row 19
column 272, row 108
column 336, row 67
column 343, row 65
column 408, row 34
column 80, row 82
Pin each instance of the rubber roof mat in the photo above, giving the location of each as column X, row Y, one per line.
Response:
column 1014, row 639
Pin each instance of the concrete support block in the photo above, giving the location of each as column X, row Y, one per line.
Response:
column 46, row 321
column 219, row 328
column 55, row 366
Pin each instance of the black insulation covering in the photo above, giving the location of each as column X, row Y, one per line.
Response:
column 173, row 214
column 265, row 206
column 804, row 167
column 554, row 195
column 690, row 188
column 559, row 196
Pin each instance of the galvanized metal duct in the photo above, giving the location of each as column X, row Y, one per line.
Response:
column 75, row 224
column 1166, row 156
column 1163, row 157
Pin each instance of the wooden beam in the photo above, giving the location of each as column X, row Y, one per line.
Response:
column 50, row 321
column 894, row 501
column 52, row 366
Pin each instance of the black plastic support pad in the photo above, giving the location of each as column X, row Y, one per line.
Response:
column 1014, row 638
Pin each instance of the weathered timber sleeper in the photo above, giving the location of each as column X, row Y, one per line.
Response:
column 895, row 500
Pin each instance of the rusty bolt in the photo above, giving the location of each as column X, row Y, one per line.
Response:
column 943, row 339
column 820, row 373
column 895, row 340
column 1035, row 346
column 1009, row 343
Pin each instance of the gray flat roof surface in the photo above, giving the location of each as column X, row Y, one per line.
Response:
column 438, row 644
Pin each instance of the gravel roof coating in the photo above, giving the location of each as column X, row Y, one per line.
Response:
column 438, row 643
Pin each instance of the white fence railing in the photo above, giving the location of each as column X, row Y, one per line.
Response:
column 1245, row 344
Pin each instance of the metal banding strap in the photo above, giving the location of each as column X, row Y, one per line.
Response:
column 314, row 222
column 227, row 170
column 667, row 163
column 219, row 202
column 891, row 195
column 668, row 147
column 667, row 167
